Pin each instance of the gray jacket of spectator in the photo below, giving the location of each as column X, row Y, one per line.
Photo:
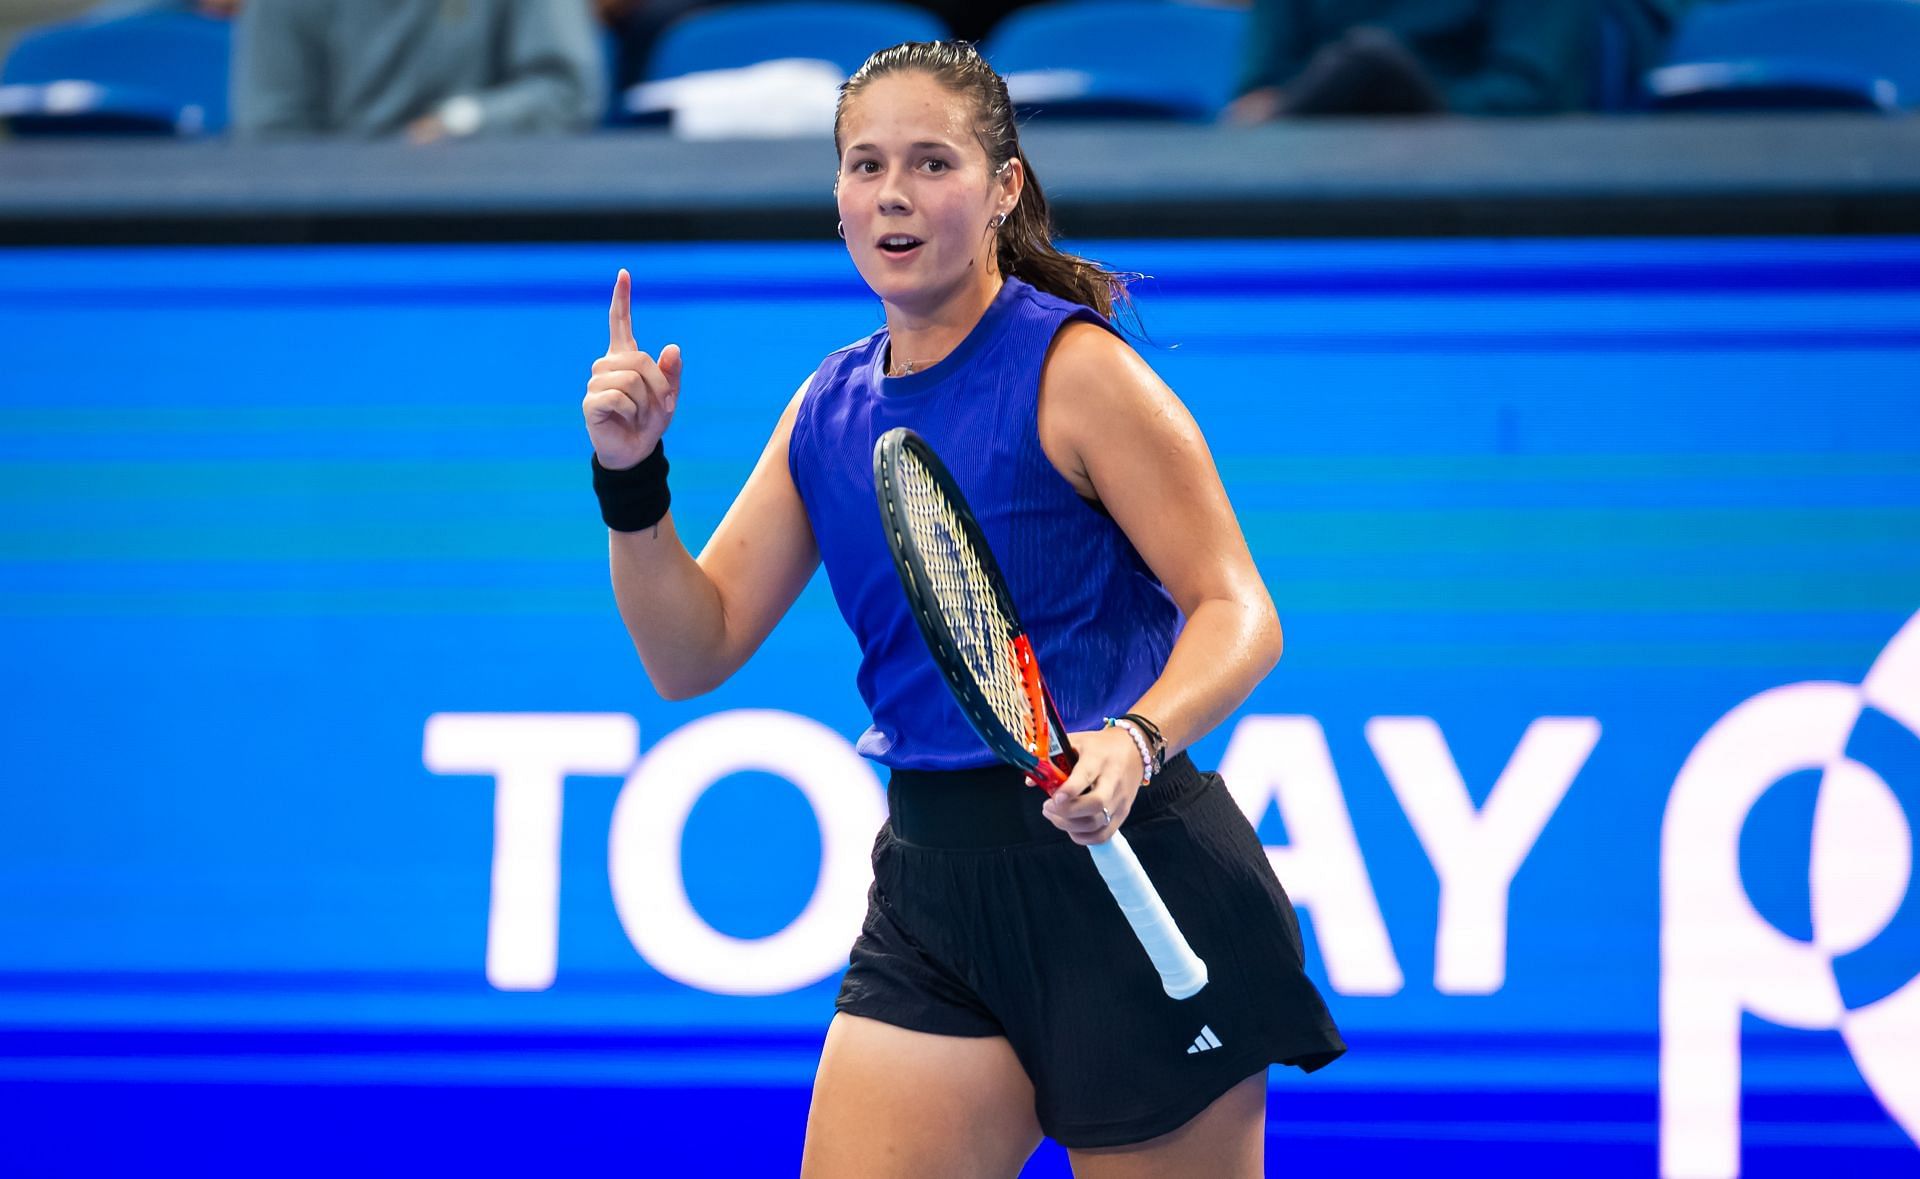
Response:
column 1487, row 56
column 369, row 67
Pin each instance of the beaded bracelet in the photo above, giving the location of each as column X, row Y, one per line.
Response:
column 1156, row 743
column 1139, row 742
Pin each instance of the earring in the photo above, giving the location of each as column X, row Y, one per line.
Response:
column 999, row 219
column 842, row 227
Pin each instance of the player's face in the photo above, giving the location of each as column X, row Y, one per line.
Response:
column 916, row 191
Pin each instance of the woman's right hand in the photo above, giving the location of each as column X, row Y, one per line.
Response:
column 630, row 397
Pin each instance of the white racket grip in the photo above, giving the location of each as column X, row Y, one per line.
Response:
column 1182, row 973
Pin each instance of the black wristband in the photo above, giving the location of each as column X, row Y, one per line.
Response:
column 635, row 498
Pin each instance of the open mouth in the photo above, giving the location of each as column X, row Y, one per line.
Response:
column 899, row 245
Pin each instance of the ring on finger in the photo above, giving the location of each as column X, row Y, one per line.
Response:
column 1106, row 817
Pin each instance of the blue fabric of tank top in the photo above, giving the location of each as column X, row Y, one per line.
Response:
column 1100, row 621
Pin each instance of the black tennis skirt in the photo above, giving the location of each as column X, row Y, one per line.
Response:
column 986, row 920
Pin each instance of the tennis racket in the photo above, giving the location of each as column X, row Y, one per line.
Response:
column 961, row 603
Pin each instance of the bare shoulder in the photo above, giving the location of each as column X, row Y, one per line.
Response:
column 1086, row 353
column 1095, row 391
column 783, row 429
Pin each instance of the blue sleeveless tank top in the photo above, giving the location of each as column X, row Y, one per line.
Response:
column 1100, row 622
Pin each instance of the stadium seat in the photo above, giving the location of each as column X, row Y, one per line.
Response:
column 843, row 32
column 1152, row 59
column 153, row 73
column 1793, row 55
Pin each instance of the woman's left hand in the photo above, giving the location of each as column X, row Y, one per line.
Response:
column 1096, row 798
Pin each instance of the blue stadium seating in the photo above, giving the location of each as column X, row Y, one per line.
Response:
column 1793, row 54
column 154, row 73
column 843, row 32
column 1156, row 59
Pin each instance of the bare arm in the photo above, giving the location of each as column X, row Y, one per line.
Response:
column 694, row 622
column 1117, row 433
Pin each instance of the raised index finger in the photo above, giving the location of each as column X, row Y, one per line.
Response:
column 620, row 316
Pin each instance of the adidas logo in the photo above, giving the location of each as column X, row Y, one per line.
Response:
column 1204, row 1042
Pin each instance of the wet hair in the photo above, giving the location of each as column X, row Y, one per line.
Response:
column 1025, row 243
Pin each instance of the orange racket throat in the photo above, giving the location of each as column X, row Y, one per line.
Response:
column 1047, row 775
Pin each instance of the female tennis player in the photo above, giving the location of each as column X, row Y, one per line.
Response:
column 995, row 992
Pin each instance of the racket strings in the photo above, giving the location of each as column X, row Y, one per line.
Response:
column 959, row 583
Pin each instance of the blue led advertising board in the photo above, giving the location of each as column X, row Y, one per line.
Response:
column 335, row 802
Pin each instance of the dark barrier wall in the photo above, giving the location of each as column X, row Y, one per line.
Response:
column 336, row 811
column 1672, row 175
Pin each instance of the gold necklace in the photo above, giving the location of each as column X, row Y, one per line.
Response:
column 907, row 369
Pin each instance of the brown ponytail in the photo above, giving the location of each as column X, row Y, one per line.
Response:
column 1026, row 247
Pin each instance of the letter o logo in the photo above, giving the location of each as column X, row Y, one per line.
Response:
column 650, row 817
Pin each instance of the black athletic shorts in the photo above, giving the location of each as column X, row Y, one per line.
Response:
column 986, row 920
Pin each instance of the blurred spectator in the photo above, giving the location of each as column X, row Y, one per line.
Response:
column 1329, row 57
column 428, row 68
column 637, row 25
column 214, row 9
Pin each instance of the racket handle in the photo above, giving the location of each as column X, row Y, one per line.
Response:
column 1182, row 973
